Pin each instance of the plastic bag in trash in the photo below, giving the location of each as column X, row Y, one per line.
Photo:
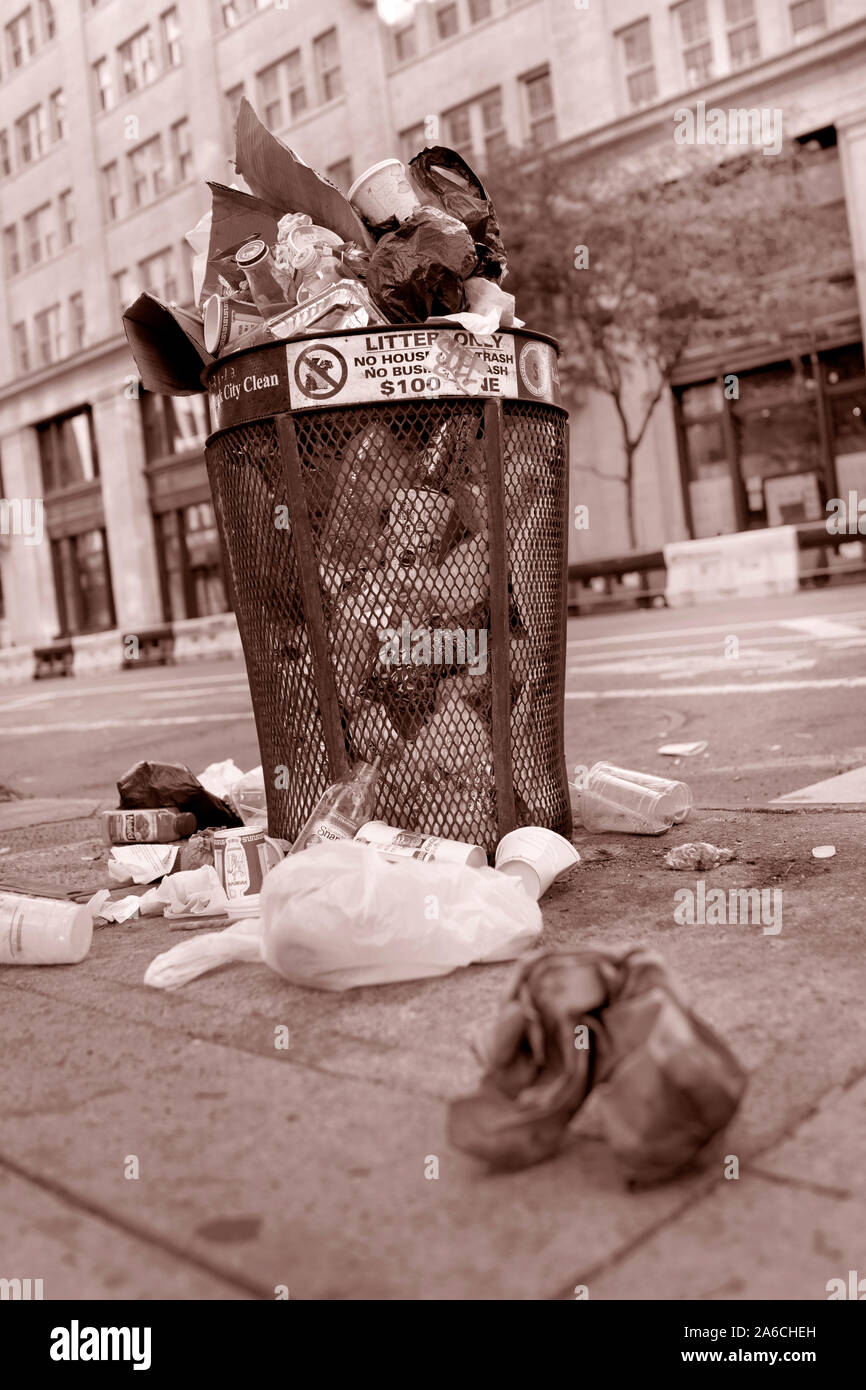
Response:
column 419, row 269
column 341, row 915
column 149, row 785
column 445, row 177
column 666, row 1082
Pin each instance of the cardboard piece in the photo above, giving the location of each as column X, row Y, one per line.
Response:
column 276, row 175
column 237, row 217
column 167, row 343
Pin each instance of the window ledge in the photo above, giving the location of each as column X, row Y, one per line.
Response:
column 31, row 164
column 49, row 260
column 311, row 115
column 441, row 45
column 132, row 96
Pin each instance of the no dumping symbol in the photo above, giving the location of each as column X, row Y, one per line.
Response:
column 320, row 372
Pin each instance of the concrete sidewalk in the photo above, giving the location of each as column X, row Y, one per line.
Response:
column 261, row 1169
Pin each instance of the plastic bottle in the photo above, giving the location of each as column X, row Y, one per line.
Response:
column 151, row 827
column 308, row 251
column 46, row 931
column 272, row 289
column 342, row 809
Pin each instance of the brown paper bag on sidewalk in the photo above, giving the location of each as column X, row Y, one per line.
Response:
column 578, row 1020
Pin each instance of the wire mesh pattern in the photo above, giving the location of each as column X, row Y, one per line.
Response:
column 398, row 505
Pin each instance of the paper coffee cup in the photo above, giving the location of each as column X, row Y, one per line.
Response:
column 384, row 191
column 536, row 856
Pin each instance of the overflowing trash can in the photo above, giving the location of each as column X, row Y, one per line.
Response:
column 392, row 506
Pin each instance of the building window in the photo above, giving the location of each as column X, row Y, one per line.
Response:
column 49, row 21
column 171, row 46
column 57, row 115
column 67, row 451
column 479, row 10
column 493, row 126
column 808, row 18
column 191, row 562
column 234, row 11
column 31, row 133
column 146, row 172
column 103, row 84
column 181, row 151
column 412, row 141
column 159, row 275
column 5, row 157
column 66, row 218
column 21, row 346
column 77, row 329
column 111, row 190
column 341, row 174
column 20, row 38
column 11, row 253
column 539, row 105
column 82, row 580
column 697, row 45
column 638, row 62
column 447, row 21
column 743, row 43
column 326, row 53
column 281, row 90
column 39, row 236
column 48, row 335
column 137, row 61
column 405, row 41
column 124, row 291
column 233, row 99
column 458, row 127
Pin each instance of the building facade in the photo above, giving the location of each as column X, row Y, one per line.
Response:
column 113, row 113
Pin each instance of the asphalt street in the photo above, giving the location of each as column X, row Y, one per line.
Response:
column 776, row 688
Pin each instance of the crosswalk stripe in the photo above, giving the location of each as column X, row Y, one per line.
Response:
column 848, row 786
column 740, row 688
column 821, row 627
column 77, row 726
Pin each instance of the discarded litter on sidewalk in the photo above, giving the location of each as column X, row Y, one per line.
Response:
column 46, row 931
column 140, row 863
column 699, row 854
column 683, row 750
column 341, row 916
column 611, row 798
column 577, row 1021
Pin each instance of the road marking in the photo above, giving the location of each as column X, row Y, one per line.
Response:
column 667, row 668
column 848, row 786
column 744, row 688
column 80, row 726
column 129, row 686
column 733, row 626
column 821, row 628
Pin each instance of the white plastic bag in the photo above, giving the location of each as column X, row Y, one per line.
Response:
column 198, row 954
column 340, row 915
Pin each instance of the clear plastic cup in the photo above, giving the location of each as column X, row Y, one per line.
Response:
column 636, row 803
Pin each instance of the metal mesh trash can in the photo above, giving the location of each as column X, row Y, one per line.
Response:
column 392, row 507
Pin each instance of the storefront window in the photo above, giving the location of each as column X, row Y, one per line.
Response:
column 193, row 583
column 173, row 424
column 67, row 450
column 83, row 583
column 705, row 447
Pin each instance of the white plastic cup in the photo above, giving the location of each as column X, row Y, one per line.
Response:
column 615, row 799
column 46, row 931
column 394, row 843
column 536, row 856
column 679, row 795
column 383, row 192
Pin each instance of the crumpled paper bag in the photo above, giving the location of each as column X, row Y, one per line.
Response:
column 578, row 1020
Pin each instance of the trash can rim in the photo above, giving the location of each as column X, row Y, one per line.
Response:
column 446, row 324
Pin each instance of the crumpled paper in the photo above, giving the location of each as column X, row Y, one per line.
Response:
column 697, row 855
column 197, row 891
column 574, row 1021
column 489, row 308
column 120, row 909
column 140, row 863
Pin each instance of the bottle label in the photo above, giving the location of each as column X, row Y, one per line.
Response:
column 333, row 827
column 11, row 930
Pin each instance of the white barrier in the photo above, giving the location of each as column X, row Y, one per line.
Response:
column 745, row 564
